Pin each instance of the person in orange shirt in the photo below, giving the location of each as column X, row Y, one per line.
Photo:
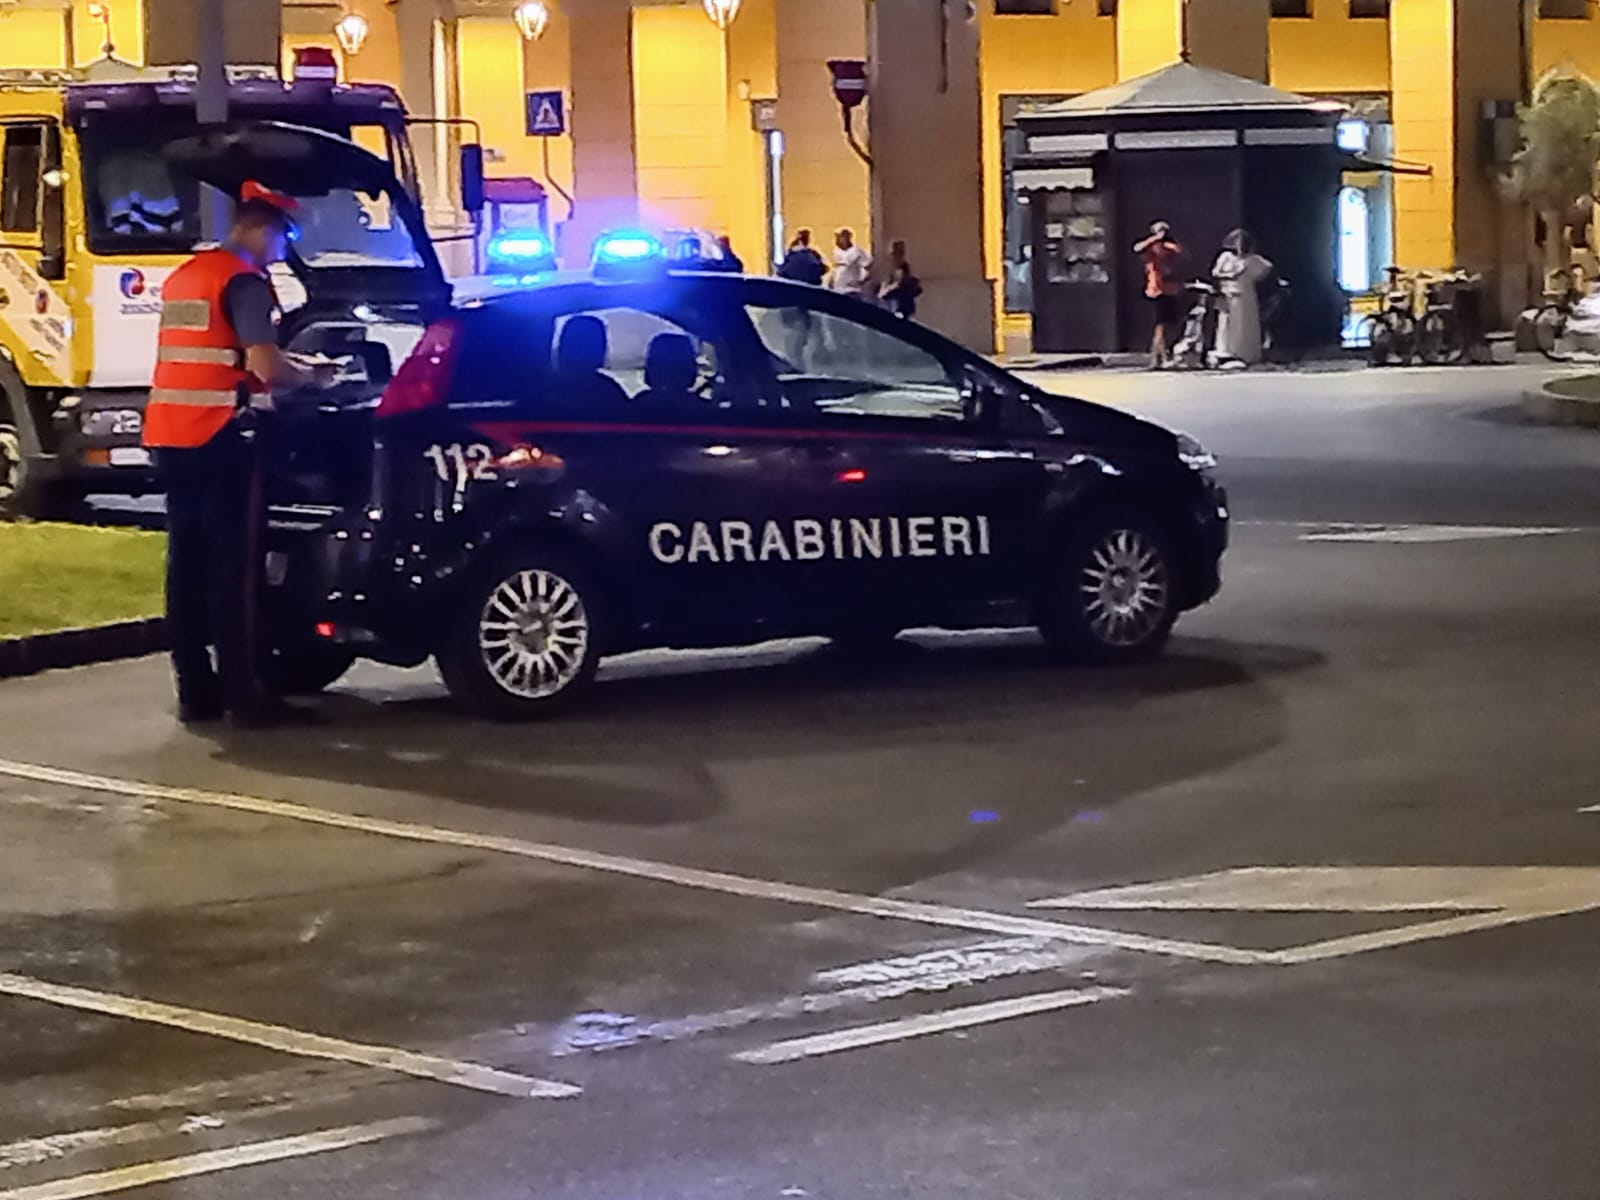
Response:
column 1162, row 288
column 217, row 357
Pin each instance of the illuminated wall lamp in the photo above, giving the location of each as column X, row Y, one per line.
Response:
column 532, row 18
column 722, row 12
column 351, row 30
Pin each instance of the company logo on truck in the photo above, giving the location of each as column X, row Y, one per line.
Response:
column 133, row 283
column 140, row 297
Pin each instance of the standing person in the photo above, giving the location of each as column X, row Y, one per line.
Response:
column 802, row 263
column 1161, row 287
column 902, row 288
column 852, row 266
column 217, row 357
column 1239, row 271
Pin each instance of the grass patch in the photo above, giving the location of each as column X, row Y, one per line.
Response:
column 1579, row 387
column 70, row 576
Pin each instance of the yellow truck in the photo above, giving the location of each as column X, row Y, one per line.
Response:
column 92, row 221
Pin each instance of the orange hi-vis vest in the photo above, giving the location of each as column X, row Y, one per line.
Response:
column 200, row 373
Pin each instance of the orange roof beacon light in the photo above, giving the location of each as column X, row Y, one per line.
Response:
column 532, row 18
column 351, row 30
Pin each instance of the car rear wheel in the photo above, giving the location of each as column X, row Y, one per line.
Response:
column 525, row 639
column 13, row 470
column 1113, row 598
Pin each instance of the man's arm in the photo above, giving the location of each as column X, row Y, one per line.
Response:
column 248, row 301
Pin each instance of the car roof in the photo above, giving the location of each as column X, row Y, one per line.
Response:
column 556, row 287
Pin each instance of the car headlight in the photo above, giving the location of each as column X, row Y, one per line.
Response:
column 1193, row 455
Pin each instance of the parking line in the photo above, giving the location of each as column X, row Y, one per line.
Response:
column 902, row 1028
column 918, row 912
column 289, row 1041
column 209, row 1162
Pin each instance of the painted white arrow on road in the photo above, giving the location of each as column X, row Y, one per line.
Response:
column 1483, row 898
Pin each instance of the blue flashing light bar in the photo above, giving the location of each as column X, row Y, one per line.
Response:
column 519, row 247
column 627, row 246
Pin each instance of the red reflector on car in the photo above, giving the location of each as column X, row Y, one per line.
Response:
column 325, row 629
column 424, row 378
column 855, row 475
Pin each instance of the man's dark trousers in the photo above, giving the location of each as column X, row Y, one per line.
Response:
column 213, row 546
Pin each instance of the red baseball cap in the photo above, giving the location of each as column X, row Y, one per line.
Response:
column 250, row 191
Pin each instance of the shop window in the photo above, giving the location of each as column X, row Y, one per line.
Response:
column 19, row 178
column 1564, row 10
column 1372, row 10
column 1020, row 8
column 1291, row 8
column 1016, row 227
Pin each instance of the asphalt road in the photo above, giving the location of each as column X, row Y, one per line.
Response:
column 1320, row 911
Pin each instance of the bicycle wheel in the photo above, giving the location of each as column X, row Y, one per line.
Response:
column 1549, row 332
column 1433, row 339
column 1376, row 333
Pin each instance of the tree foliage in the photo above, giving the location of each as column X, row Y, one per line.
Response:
column 1554, row 168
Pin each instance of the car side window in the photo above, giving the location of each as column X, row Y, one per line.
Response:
column 835, row 365
column 627, row 356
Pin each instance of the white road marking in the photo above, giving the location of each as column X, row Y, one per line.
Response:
column 724, row 882
column 289, row 1041
column 1428, row 534
column 963, row 1017
column 857, row 985
column 1590, row 808
column 1487, row 898
column 188, row 1166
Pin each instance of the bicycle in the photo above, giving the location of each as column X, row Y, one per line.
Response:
column 1391, row 333
column 1550, row 322
column 1444, row 334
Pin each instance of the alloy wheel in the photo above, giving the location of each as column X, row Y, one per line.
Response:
column 1125, row 588
column 534, row 634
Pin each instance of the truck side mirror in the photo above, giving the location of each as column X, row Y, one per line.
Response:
column 472, row 198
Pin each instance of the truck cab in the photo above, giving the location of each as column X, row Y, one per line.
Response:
column 92, row 221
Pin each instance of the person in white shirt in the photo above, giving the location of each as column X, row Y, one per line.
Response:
column 852, row 266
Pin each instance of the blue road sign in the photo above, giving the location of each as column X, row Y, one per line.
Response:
column 547, row 114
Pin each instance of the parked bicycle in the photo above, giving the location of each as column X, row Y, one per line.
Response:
column 1391, row 333
column 1449, row 325
column 1550, row 323
column 1193, row 351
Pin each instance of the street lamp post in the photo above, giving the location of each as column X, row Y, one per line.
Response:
column 211, row 104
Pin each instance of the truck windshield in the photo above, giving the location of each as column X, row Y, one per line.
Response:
column 137, row 205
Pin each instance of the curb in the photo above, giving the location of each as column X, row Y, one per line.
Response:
column 81, row 647
column 1552, row 408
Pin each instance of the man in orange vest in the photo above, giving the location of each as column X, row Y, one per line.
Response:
column 217, row 358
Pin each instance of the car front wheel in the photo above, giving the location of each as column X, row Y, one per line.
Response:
column 524, row 641
column 1113, row 597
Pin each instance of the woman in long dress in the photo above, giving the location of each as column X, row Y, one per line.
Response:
column 1238, row 271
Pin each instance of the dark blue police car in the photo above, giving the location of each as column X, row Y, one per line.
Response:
column 531, row 474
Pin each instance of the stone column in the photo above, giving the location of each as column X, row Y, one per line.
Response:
column 605, row 176
column 924, row 84
column 1449, row 57
column 1226, row 35
column 825, row 186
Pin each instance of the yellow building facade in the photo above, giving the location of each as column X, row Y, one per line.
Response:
column 662, row 102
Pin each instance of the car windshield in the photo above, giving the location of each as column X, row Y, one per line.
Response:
column 347, row 228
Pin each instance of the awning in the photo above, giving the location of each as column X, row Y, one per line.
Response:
column 1394, row 166
column 1053, row 179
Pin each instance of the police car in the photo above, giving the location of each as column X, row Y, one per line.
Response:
column 567, row 467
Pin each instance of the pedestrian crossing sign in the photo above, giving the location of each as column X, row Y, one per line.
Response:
column 547, row 114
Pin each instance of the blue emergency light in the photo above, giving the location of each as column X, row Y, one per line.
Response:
column 628, row 252
column 521, row 251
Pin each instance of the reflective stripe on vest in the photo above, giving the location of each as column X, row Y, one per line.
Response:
column 200, row 376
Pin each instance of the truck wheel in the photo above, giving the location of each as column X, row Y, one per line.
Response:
column 524, row 641
column 1113, row 596
column 305, row 670
column 13, row 470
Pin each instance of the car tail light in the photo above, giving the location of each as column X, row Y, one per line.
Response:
column 423, row 379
